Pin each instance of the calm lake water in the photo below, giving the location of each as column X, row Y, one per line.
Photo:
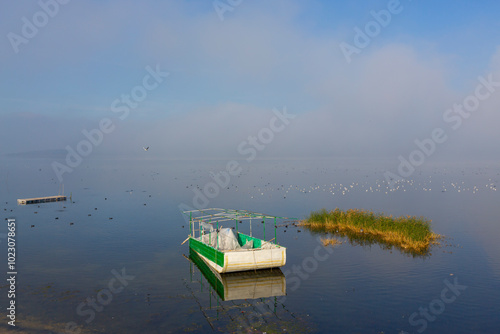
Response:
column 117, row 246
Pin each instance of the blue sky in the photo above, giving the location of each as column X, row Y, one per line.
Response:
column 226, row 76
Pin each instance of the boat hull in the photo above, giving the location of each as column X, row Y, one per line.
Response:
column 239, row 260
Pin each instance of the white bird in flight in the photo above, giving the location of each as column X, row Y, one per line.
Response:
column 146, row 148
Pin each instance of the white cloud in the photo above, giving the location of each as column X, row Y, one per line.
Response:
column 228, row 75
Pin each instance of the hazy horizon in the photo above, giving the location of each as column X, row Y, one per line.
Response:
column 206, row 78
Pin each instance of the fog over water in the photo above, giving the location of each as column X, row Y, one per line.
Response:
column 141, row 110
column 217, row 81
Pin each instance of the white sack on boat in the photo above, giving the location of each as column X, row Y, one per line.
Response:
column 227, row 239
column 267, row 245
column 207, row 226
column 248, row 245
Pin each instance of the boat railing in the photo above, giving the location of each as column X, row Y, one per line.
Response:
column 216, row 216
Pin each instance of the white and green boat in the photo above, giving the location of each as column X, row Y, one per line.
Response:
column 227, row 251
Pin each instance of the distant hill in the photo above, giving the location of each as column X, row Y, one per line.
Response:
column 59, row 153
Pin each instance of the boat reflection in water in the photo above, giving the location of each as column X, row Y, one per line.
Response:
column 250, row 284
column 245, row 301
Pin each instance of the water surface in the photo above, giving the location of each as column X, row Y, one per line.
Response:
column 124, row 217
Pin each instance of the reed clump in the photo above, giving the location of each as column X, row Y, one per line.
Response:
column 408, row 233
column 330, row 241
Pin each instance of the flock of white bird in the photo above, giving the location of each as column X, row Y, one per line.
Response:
column 442, row 182
column 378, row 186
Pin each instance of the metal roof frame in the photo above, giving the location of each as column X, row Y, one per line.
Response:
column 218, row 215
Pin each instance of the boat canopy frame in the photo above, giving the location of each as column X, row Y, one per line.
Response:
column 218, row 215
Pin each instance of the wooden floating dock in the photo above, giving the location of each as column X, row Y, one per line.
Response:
column 35, row 200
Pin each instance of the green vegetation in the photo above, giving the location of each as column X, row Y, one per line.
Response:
column 410, row 234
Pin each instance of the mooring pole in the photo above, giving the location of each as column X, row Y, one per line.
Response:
column 200, row 227
column 264, row 222
column 275, row 230
column 190, row 222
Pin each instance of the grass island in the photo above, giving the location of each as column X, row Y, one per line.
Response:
column 410, row 234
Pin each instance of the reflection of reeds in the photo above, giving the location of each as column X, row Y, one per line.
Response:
column 410, row 234
column 330, row 241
